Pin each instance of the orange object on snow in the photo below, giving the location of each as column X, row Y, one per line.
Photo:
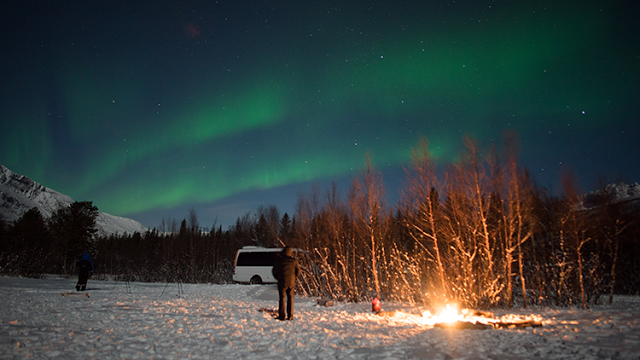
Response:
column 376, row 306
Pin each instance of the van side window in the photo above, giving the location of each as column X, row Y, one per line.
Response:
column 257, row 258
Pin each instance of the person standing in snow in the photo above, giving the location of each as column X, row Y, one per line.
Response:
column 85, row 268
column 286, row 270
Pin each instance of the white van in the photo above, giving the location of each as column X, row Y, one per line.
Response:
column 253, row 265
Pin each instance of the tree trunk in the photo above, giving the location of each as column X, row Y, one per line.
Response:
column 580, row 277
column 613, row 269
column 522, row 280
column 509, row 287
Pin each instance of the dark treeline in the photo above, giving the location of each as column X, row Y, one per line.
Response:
column 33, row 245
column 184, row 251
column 478, row 232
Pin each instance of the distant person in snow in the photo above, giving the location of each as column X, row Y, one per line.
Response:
column 286, row 270
column 85, row 268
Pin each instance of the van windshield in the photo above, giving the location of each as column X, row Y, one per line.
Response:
column 257, row 258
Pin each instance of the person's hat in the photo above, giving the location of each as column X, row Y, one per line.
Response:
column 287, row 251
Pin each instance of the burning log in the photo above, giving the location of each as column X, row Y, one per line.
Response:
column 463, row 325
column 478, row 313
column 517, row 324
column 465, row 319
column 450, row 318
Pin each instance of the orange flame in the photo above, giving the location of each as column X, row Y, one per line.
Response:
column 448, row 314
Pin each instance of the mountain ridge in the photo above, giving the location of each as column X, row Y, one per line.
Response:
column 612, row 194
column 18, row 194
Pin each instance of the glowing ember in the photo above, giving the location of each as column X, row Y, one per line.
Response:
column 450, row 315
column 450, row 318
column 446, row 315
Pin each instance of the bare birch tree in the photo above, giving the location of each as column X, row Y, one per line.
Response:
column 422, row 205
column 368, row 210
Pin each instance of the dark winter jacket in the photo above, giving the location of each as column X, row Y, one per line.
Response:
column 286, row 270
column 85, row 265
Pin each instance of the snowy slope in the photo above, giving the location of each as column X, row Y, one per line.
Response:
column 110, row 224
column 156, row 321
column 18, row 194
column 611, row 194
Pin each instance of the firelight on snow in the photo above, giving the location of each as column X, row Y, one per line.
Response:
column 153, row 320
column 449, row 316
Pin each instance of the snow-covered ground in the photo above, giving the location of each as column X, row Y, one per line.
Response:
column 163, row 321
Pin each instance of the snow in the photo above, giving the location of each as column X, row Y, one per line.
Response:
column 201, row 321
column 110, row 224
column 610, row 194
column 18, row 194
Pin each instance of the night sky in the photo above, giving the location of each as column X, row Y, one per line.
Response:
column 151, row 108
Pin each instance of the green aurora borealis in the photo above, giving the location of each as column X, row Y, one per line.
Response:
column 148, row 107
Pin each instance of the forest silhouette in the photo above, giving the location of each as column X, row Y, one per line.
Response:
column 478, row 232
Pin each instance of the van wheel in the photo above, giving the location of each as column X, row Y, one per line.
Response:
column 256, row 280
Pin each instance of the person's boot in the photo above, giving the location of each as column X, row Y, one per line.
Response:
column 83, row 288
column 78, row 287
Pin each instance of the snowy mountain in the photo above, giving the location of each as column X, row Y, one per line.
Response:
column 621, row 193
column 18, row 194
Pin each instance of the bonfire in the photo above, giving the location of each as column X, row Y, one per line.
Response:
column 449, row 317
